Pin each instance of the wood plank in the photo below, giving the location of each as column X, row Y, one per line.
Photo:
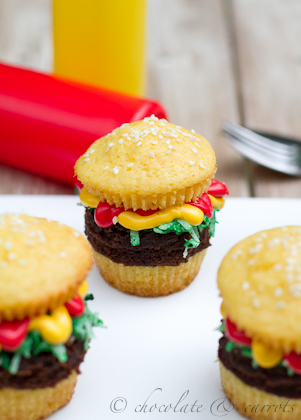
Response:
column 268, row 36
column 190, row 72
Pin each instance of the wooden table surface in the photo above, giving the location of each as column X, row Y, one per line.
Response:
column 207, row 61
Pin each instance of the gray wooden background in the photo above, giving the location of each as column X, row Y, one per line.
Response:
column 207, row 61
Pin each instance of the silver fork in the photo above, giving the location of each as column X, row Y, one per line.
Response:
column 275, row 152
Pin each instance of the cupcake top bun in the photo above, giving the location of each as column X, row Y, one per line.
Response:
column 260, row 283
column 42, row 265
column 148, row 164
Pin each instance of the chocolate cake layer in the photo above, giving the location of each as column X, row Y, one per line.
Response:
column 275, row 380
column 44, row 370
column 154, row 250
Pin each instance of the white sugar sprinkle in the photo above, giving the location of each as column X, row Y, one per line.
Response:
column 3, row 264
column 278, row 292
column 76, row 234
column 120, row 141
column 168, row 152
column 12, row 256
column 22, row 262
column 245, row 285
column 150, row 154
column 191, row 162
column 202, row 165
column 115, row 220
column 139, row 143
column 115, row 170
column 194, row 150
column 256, row 303
column 130, row 165
column 8, row 245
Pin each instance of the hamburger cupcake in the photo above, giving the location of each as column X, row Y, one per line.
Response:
column 260, row 350
column 45, row 324
column 150, row 198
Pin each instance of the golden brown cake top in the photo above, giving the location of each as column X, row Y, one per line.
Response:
column 260, row 283
column 42, row 265
column 148, row 164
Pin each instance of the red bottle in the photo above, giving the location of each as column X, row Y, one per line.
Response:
column 46, row 123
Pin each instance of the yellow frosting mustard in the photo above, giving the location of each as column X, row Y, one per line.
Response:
column 265, row 357
column 134, row 221
column 55, row 328
column 217, row 203
column 82, row 291
column 87, row 199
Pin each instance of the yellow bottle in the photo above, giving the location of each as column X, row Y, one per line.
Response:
column 101, row 42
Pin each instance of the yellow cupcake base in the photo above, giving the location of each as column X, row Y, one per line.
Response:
column 35, row 404
column 149, row 281
column 255, row 404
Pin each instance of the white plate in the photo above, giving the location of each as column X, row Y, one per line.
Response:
column 163, row 348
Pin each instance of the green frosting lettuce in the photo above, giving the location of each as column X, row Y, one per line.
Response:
column 179, row 225
column 34, row 343
column 134, row 238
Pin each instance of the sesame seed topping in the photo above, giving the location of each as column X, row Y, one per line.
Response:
column 106, row 167
column 191, row 162
column 115, row 170
column 160, row 137
column 245, row 285
column 107, row 149
column 166, row 134
column 154, row 142
column 63, row 254
column 139, row 143
column 92, row 151
column 194, row 150
column 168, row 152
column 12, row 256
column 162, row 124
column 120, row 141
column 3, row 264
column 130, row 165
column 170, row 147
column 202, row 165
column 256, row 303
column 128, row 138
column 86, row 154
column 151, row 122
column 76, row 234
column 150, row 154
column 278, row 292
column 115, row 220
column 258, row 239
column 192, row 130
column 124, row 134
column 22, row 262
